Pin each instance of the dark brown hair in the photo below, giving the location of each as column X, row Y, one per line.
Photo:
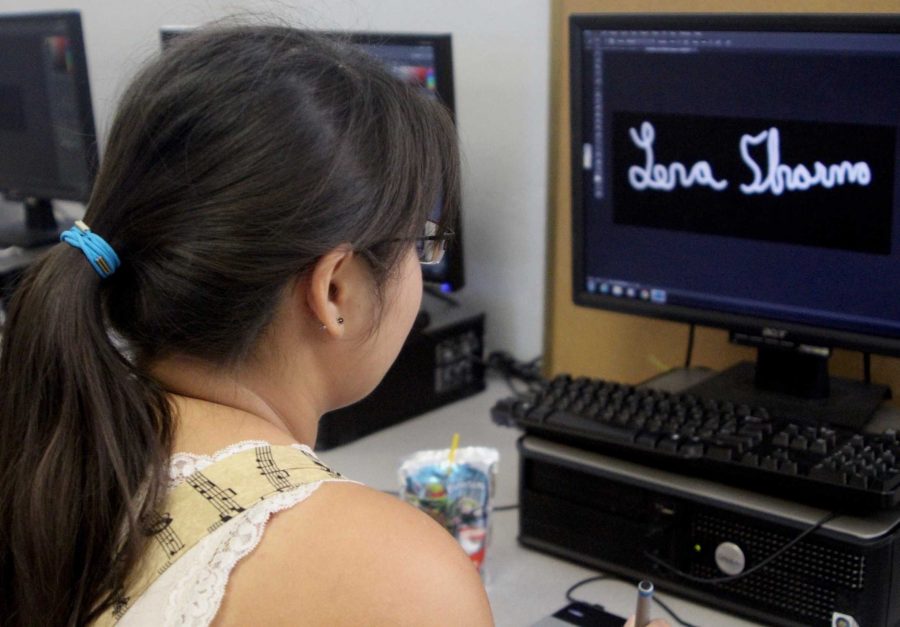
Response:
column 236, row 159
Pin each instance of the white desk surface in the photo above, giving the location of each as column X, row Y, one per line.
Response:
column 523, row 585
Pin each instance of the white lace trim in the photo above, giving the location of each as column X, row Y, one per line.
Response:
column 183, row 465
column 194, row 593
column 196, row 597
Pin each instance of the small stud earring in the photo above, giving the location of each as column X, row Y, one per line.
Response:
column 340, row 321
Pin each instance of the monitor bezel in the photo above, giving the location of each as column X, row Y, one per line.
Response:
column 85, row 111
column 782, row 333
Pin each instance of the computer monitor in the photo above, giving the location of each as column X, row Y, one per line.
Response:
column 425, row 60
column 169, row 33
column 48, row 146
column 741, row 171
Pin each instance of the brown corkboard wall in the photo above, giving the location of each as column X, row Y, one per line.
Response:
column 629, row 348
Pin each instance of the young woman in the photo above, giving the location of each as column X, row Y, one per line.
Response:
column 250, row 260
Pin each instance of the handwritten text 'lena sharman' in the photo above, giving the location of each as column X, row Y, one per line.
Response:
column 772, row 177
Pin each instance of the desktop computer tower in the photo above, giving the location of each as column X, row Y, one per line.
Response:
column 620, row 517
column 442, row 361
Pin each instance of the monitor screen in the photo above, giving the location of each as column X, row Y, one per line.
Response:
column 48, row 148
column 425, row 60
column 740, row 172
column 47, row 141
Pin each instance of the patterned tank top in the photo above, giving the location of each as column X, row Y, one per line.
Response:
column 214, row 515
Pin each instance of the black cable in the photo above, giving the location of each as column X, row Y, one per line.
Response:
column 729, row 578
column 577, row 585
column 690, row 346
column 509, row 383
column 867, row 368
column 512, row 370
column 493, row 364
column 672, row 613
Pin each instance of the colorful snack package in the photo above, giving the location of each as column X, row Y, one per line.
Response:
column 459, row 494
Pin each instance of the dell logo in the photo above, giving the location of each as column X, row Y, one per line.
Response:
column 730, row 558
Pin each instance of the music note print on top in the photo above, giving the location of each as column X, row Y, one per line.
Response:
column 278, row 477
column 160, row 527
column 217, row 497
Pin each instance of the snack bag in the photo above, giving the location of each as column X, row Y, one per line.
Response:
column 458, row 494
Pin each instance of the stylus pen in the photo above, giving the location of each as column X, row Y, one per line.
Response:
column 645, row 596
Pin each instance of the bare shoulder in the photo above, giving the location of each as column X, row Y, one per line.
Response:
column 352, row 555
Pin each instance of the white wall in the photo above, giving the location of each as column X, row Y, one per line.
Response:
column 501, row 60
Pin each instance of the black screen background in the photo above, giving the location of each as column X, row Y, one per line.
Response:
column 28, row 154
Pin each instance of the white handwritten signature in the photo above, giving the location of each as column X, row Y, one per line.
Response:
column 780, row 177
column 774, row 178
column 657, row 176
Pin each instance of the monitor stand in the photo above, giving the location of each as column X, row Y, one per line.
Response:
column 796, row 386
column 38, row 228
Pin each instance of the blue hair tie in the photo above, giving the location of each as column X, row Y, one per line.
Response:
column 101, row 256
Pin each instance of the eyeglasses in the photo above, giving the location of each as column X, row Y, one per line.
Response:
column 431, row 247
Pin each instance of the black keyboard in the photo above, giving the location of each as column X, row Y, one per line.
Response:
column 822, row 465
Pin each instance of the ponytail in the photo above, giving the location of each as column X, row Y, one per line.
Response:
column 84, row 438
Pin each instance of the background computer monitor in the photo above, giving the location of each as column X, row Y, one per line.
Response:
column 48, row 147
column 742, row 172
column 425, row 60
column 169, row 33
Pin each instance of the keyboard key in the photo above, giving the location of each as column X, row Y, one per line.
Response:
column 823, row 473
column 769, row 463
column 737, row 442
column 692, row 449
column 781, row 439
column 617, row 433
column 799, row 443
column 538, row 414
column 721, row 453
column 752, row 432
column 669, row 443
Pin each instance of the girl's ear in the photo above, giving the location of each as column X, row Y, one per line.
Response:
column 328, row 286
